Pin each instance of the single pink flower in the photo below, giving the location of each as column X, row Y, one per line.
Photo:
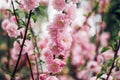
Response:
column 5, row 23
column 42, row 77
column 65, row 40
column 56, row 66
column 47, row 55
column 70, row 12
column 58, row 4
column 42, row 44
column 13, row 19
column 104, row 39
column 12, row 30
column 59, row 21
column 93, row 66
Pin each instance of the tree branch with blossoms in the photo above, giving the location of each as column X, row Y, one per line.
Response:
column 15, row 69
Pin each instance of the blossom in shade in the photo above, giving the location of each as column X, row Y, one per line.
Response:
column 104, row 39
column 58, row 4
column 12, row 30
column 5, row 23
column 93, row 66
column 42, row 77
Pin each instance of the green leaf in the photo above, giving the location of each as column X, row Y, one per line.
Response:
column 112, row 43
column 110, row 62
column 9, row 10
column 99, row 75
column 118, row 11
column 117, row 64
column 28, row 36
column 104, row 69
column 34, row 17
column 105, row 49
column 102, row 78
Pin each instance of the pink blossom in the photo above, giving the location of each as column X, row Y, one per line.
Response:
column 59, row 21
column 56, row 66
column 93, row 66
column 44, row 2
column 70, row 12
column 42, row 77
column 52, row 78
column 58, row 4
column 77, row 60
column 13, row 19
column 42, row 44
column 81, row 37
column 28, row 47
column 74, row 1
column 104, row 39
column 12, row 30
column 53, row 31
column 93, row 78
column 108, row 55
column 116, row 74
column 5, row 23
column 14, row 54
column 65, row 40
column 29, row 4
column 55, row 49
column 84, row 74
column 48, row 55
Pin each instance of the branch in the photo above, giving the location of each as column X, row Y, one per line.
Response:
column 30, row 66
column 14, row 12
column 115, row 55
column 22, row 45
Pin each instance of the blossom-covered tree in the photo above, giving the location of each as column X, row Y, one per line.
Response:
column 60, row 40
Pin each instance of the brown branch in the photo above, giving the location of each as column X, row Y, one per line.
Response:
column 115, row 56
column 14, row 12
column 15, row 69
column 30, row 66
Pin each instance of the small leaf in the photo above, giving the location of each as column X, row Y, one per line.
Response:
column 105, row 49
column 110, row 62
column 34, row 17
column 99, row 75
column 9, row 10
column 102, row 78
column 117, row 60
column 118, row 11
column 104, row 70
column 112, row 43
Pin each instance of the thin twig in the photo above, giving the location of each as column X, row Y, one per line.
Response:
column 30, row 66
column 14, row 12
column 115, row 55
column 12, row 78
column 38, row 55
